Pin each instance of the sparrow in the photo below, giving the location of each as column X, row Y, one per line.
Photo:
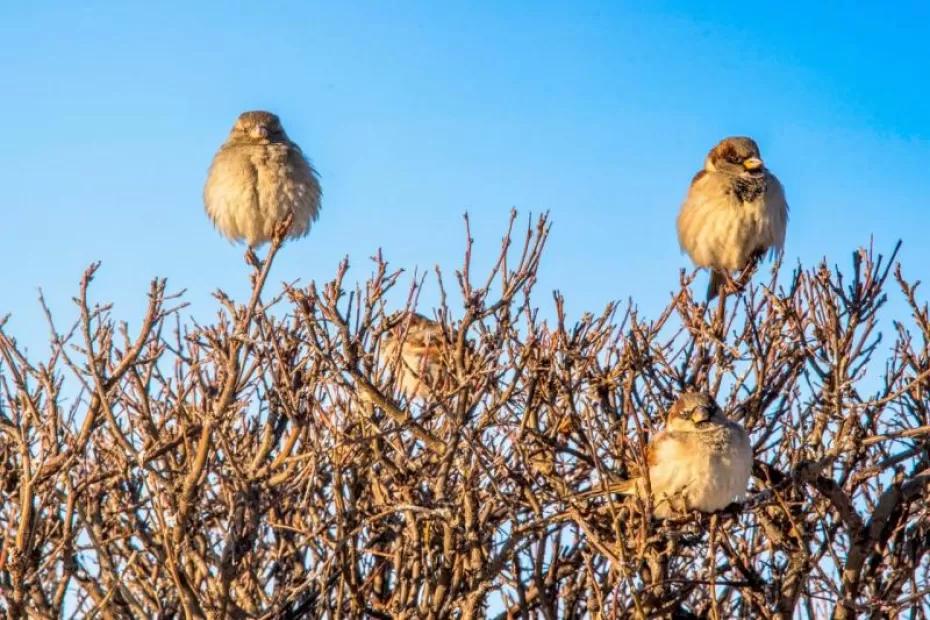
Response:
column 701, row 461
column 257, row 178
column 412, row 348
column 735, row 212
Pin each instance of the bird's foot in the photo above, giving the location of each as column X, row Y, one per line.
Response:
column 749, row 270
column 733, row 286
column 252, row 260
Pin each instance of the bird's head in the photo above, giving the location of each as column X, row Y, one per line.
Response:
column 258, row 126
column 417, row 333
column 737, row 156
column 694, row 411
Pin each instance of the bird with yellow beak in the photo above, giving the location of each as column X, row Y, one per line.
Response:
column 735, row 213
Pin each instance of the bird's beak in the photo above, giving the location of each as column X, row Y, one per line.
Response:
column 701, row 414
column 752, row 164
column 259, row 132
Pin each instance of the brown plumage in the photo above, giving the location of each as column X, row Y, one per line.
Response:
column 413, row 349
column 735, row 211
column 256, row 179
column 701, row 461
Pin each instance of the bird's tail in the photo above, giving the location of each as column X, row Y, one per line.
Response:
column 716, row 282
column 624, row 487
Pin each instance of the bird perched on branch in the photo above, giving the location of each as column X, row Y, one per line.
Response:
column 413, row 349
column 258, row 178
column 735, row 212
column 701, row 461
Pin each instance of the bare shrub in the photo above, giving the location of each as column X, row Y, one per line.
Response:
column 265, row 465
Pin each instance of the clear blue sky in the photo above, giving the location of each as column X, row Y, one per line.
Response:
column 416, row 113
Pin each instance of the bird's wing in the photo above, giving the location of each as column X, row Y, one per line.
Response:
column 659, row 445
column 622, row 487
column 230, row 187
column 704, row 217
column 777, row 206
column 655, row 451
column 306, row 179
column 686, row 213
column 665, row 455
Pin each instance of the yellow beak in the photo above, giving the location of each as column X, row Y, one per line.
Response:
column 753, row 163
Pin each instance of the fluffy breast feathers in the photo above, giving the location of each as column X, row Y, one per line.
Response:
column 719, row 230
column 250, row 188
column 704, row 470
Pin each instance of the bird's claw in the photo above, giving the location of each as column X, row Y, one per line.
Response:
column 251, row 259
column 731, row 286
column 736, row 285
column 750, row 269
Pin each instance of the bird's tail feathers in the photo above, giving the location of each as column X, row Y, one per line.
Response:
column 623, row 487
column 716, row 282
